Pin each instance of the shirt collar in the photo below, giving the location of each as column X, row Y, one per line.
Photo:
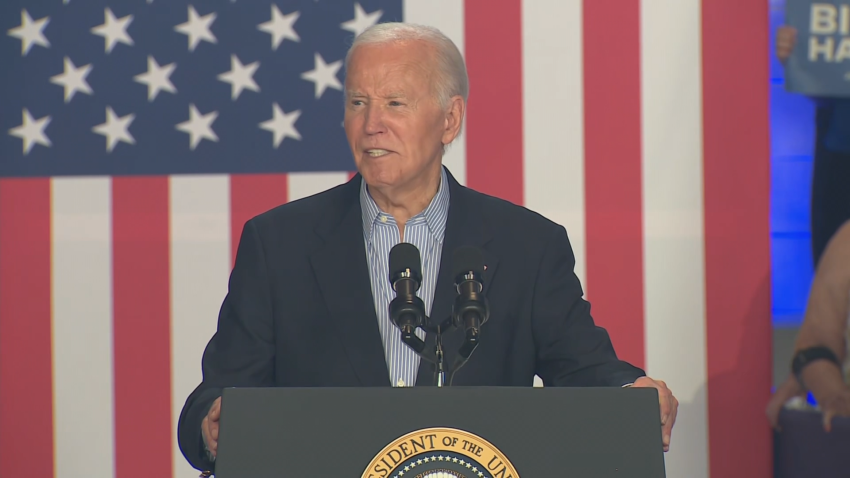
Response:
column 435, row 214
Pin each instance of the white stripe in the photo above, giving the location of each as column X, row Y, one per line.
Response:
column 553, row 109
column 200, row 265
column 302, row 185
column 448, row 17
column 82, row 327
column 673, row 220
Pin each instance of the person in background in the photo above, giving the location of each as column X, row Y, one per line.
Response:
column 821, row 364
column 830, row 194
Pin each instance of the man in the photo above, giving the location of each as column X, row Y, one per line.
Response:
column 309, row 293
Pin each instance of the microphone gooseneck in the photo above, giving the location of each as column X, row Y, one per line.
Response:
column 407, row 311
column 471, row 308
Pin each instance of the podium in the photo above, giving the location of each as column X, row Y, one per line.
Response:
column 430, row 432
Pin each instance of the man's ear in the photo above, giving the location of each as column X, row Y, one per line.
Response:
column 455, row 112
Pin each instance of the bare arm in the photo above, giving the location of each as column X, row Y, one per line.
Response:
column 825, row 322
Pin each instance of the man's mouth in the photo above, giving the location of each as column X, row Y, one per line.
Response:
column 377, row 153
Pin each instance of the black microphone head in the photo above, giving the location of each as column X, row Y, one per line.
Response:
column 405, row 263
column 468, row 259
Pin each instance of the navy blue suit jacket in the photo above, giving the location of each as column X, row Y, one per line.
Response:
column 299, row 311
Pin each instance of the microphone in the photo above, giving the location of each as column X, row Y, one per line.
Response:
column 471, row 309
column 407, row 311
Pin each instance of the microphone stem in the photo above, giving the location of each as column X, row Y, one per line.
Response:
column 440, row 377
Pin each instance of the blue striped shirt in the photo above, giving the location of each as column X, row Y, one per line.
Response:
column 425, row 231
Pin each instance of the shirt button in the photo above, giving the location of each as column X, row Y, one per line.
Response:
column 383, row 218
column 400, row 383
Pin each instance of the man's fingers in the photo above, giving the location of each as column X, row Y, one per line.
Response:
column 214, row 431
column 215, row 411
column 667, row 428
column 666, row 403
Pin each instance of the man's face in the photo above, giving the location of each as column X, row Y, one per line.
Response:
column 395, row 127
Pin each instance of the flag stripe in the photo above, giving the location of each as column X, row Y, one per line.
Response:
column 26, row 390
column 252, row 194
column 141, row 343
column 82, row 317
column 737, row 195
column 200, row 264
column 612, row 117
column 302, row 185
column 552, row 117
column 494, row 130
column 448, row 17
column 673, row 221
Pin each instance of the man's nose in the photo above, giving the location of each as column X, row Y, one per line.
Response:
column 374, row 120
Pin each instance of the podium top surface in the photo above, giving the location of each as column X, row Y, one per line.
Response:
column 420, row 432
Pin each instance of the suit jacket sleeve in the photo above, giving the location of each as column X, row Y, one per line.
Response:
column 571, row 350
column 242, row 351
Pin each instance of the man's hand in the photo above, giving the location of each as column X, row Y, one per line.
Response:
column 837, row 405
column 669, row 407
column 210, row 426
column 785, row 38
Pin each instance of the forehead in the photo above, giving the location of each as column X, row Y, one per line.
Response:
column 394, row 64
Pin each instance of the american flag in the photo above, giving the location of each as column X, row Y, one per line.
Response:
column 138, row 136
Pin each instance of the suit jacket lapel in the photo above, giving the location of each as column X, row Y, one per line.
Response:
column 465, row 226
column 342, row 272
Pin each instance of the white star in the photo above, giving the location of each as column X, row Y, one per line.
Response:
column 199, row 126
column 113, row 30
column 280, row 27
column 323, row 75
column 32, row 131
column 197, row 28
column 282, row 124
column 362, row 21
column 157, row 78
column 240, row 77
column 115, row 129
column 73, row 79
column 30, row 32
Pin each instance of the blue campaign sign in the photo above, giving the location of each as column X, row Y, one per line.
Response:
column 819, row 65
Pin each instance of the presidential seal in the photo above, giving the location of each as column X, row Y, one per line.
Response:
column 440, row 453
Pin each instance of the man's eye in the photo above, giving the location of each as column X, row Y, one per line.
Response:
column 395, row 103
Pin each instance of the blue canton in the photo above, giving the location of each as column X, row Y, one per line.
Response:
column 425, row 231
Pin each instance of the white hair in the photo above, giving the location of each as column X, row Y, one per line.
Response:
column 452, row 78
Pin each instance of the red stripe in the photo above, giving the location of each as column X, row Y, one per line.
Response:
column 613, row 204
column 251, row 195
column 26, row 371
column 141, row 328
column 493, row 39
column 737, row 181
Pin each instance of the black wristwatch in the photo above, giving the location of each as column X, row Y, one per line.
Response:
column 809, row 355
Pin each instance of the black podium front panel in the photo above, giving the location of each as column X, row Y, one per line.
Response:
column 425, row 432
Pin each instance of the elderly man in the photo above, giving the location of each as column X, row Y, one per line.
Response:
column 309, row 293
